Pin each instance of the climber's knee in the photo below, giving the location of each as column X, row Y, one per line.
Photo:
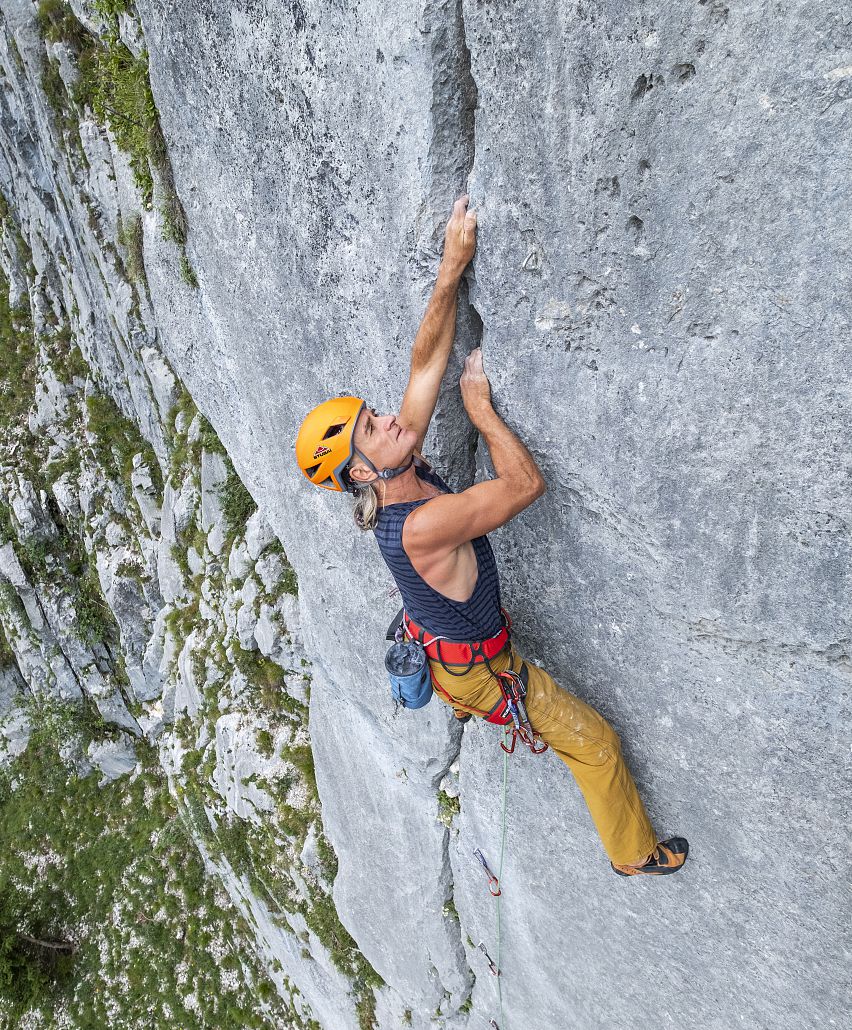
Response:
column 611, row 738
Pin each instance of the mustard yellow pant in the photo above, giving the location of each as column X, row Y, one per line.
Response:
column 581, row 737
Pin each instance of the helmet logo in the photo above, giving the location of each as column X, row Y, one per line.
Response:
column 321, row 451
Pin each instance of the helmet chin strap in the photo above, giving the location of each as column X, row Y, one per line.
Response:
column 387, row 474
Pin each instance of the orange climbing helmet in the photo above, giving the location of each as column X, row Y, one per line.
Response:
column 324, row 446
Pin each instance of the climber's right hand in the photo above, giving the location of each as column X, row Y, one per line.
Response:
column 475, row 388
column 460, row 237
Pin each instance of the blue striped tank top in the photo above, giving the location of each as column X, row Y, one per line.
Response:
column 475, row 619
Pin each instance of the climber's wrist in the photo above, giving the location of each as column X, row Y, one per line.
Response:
column 450, row 273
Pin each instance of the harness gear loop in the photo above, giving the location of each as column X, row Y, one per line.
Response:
column 514, row 690
column 478, row 650
column 513, row 685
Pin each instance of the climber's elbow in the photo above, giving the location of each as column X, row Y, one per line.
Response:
column 529, row 489
column 539, row 488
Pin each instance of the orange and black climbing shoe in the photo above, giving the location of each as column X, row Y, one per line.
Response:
column 667, row 857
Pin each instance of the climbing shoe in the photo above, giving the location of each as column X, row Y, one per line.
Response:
column 667, row 857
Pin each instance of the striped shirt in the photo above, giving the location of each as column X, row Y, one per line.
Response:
column 475, row 619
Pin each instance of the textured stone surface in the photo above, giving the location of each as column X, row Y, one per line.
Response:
column 662, row 295
column 113, row 759
column 14, row 722
column 664, row 292
column 651, row 185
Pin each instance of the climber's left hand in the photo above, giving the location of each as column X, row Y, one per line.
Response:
column 460, row 236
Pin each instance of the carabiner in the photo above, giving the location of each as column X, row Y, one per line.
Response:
column 493, row 882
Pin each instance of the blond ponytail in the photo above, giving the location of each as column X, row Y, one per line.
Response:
column 366, row 510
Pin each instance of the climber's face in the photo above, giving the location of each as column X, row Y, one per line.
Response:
column 384, row 441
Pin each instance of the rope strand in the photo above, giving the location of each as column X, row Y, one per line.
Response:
column 499, row 878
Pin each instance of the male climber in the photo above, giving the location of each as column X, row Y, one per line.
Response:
column 434, row 542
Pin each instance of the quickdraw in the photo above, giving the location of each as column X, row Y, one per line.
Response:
column 514, row 691
column 492, row 965
column 493, row 882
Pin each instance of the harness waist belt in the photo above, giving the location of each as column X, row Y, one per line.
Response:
column 457, row 652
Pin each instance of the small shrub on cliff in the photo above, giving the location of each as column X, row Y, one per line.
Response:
column 264, row 742
column 327, row 857
column 448, row 808
column 7, row 655
column 95, row 620
column 289, row 583
column 302, row 757
column 238, row 505
column 366, row 1011
column 18, row 357
column 118, row 440
column 130, row 236
column 187, row 272
column 113, row 8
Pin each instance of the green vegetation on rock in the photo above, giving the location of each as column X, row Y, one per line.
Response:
column 238, row 505
column 137, row 921
column 448, row 808
column 115, row 85
column 18, row 356
column 117, row 441
column 113, row 871
column 63, row 562
column 131, row 237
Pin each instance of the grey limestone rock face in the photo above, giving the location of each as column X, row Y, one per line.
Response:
column 659, row 281
column 237, row 767
column 384, row 802
column 14, row 721
column 661, row 291
column 113, row 758
column 661, row 286
column 665, row 302
column 214, row 473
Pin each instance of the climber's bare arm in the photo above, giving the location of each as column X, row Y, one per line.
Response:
column 449, row 520
column 434, row 340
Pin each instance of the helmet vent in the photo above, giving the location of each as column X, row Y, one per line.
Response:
column 311, row 471
column 334, row 430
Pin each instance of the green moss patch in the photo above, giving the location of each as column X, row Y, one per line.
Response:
column 114, row 872
column 118, row 440
column 115, row 85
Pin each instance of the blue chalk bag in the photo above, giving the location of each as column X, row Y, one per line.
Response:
column 408, row 669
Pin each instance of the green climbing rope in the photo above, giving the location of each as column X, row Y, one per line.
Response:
column 500, row 880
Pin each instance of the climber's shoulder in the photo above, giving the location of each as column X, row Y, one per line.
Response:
column 448, row 520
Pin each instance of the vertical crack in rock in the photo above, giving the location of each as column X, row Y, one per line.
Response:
column 451, row 156
column 467, row 134
column 447, row 882
column 452, row 153
column 454, row 101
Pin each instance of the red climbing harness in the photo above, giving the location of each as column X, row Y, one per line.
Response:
column 467, row 655
column 510, row 709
